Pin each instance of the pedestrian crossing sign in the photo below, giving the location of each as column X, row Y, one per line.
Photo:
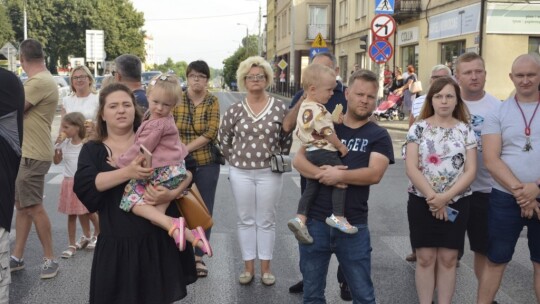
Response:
column 319, row 42
column 384, row 6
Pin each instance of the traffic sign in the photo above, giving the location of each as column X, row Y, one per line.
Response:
column 314, row 51
column 380, row 51
column 383, row 26
column 384, row 7
column 282, row 64
column 319, row 42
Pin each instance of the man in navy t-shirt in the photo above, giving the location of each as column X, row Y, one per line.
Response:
column 370, row 153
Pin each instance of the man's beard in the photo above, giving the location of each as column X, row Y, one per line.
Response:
column 361, row 117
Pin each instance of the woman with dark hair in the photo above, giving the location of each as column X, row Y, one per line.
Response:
column 197, row 120
column 135, row 261
column 441, row 165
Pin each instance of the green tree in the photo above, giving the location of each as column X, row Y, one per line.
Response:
column 60, row 25
column 230, row 64
column 6, row 31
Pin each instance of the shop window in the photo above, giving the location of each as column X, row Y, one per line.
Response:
column 450, row 52
column 409, row 55
column 361, row 60
column 534, row 45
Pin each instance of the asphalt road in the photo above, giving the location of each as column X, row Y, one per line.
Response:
column 393, row 277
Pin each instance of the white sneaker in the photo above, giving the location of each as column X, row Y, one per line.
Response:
column 92, row 243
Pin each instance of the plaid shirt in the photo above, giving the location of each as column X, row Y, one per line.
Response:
column 205, row 122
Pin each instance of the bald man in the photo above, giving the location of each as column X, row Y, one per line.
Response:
column 511, row 150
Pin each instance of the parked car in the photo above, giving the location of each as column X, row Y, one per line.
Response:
column 147, row 76
column 63, row 88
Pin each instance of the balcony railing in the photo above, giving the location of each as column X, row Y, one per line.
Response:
column 407, row 9
column 314, row 29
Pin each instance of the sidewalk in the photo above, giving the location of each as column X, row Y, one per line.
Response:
column 397, row 125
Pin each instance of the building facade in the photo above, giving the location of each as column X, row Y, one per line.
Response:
column 428, row 33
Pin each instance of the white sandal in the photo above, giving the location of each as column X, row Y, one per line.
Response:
column 68, row 253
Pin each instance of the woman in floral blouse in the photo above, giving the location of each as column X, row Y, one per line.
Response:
column 250, row 132
column 441, row 165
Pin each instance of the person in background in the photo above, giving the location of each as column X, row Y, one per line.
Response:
column 289, row 124
column 397, row 81
column 366, row 165
column 471, row 76
column 511, row 148
column 134, row 261
column 408, row 97
column 11, row 138
column 441, row 165
column 437, row 71
column 197, row 119
column 84, row 100
column 67, row 151
column 128, row 71
column 41, row 99
column 250, row 132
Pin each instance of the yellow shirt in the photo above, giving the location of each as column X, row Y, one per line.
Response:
column 42, row 92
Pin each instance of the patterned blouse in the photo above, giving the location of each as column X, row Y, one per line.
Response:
column 248, row 140
column 442, row 153
column 204, row 120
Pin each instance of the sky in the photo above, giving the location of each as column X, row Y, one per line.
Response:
column 188, row 30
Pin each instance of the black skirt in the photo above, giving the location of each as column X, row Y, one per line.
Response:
column 427, row 231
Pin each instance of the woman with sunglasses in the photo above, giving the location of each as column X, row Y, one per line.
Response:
column 197, row 120
column 83, row 99
column 250, row 132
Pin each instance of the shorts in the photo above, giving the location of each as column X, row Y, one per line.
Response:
column 5, row 275
column 30, row 182
column 477, row 225
column 504, row 227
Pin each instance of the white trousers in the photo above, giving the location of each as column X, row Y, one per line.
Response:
column 257, row 193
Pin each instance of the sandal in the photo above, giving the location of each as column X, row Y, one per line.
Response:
column 82, row 243
column 68, row 253
column 202, row 270
column 180, row 224
column 200, row 236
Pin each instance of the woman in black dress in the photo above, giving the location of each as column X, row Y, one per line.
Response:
column 134, row 260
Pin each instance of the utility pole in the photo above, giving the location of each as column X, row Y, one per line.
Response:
column 291, row 57
column 25, row 22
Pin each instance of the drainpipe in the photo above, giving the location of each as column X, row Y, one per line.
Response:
column 481, row 34
column 333, row 25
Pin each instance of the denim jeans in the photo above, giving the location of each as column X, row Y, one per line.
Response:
column 206, row 178
column 353, row 252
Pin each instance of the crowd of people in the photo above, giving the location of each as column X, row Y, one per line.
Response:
column 471, row 161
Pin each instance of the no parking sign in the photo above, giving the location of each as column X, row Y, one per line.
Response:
column 380, row 51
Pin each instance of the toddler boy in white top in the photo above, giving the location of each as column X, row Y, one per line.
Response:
column 315, row 129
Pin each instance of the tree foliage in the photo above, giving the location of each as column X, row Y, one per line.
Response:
column 60, row 25
column 6, row 31
column 230, row 64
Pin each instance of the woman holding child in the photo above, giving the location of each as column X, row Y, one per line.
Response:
column 134, row 260
column 250, row 132
column 441, row 165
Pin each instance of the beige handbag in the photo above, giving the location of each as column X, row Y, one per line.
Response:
column 415, row 87
column 194, row 210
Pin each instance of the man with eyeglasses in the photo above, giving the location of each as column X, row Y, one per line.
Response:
column 128, row 71
column 437, row 71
